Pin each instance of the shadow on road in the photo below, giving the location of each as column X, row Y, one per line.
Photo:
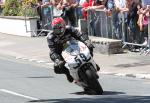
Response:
column 108, row 97
column 41, row 77
column 112, row 93
column 138, row 64
column 105, row 93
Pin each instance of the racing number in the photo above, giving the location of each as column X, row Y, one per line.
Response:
column 79, row 61
column 83, row 57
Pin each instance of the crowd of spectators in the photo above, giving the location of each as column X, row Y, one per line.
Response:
column 1, row 4
column 132, row 13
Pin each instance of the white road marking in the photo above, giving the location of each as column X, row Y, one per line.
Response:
column 5, row 43
column 40, row 61
column 17, row 94
column 31, row 60
column 50, row 64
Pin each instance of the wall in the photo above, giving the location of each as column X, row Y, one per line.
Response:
column 18, row 25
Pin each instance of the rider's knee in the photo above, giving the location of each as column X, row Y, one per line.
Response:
column 61, row 70
column 57, row 70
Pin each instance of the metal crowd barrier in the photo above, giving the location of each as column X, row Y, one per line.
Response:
column 45, row 22
column 33, row 12
column 100, row 24
column 47, row 14
column 146, row 50
column 46, row 18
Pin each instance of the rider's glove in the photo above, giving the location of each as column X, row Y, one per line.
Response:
column 89, row 45
column 59, row 63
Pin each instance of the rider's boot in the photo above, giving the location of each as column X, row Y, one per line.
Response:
column 63, row 70
column 97, row 67
column 69, row 77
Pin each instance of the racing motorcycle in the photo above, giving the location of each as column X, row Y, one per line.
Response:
column 82, row 66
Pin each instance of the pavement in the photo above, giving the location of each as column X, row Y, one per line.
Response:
column 35, row 49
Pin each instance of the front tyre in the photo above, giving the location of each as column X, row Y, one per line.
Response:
column 93, row 84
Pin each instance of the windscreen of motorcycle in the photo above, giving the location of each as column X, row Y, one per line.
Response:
column 75, row 54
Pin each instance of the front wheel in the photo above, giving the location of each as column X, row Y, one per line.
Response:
column 93, row 83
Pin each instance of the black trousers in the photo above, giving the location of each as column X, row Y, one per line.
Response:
column 143, row 33
column 69, row 15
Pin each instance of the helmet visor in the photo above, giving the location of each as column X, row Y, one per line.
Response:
column 58, row 31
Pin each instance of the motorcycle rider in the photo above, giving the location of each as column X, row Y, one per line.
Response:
column 56, row 40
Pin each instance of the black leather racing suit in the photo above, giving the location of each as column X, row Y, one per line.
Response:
column 55, row 44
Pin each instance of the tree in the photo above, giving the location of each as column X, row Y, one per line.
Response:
column 11, row 8
column 27, row 8
column 19, row 8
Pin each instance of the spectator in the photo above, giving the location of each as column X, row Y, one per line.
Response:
column 81, row 2
column 120, row 16
column 140, row 14
column 56, row 10
column 46, row 14
column 46, row 3
column 132, row 21
column 109, row 5
column 98, row 4
column 68, row 8
column 39, row 13
column 55, row 2
column 38, row 6
column 144, row 13
column 85, row 6
column 92, row 5
column 1, row 3
column 79, row 14
column 41, row 4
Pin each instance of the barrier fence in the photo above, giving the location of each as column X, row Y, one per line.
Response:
column 44, row 22
column 99, row 23
column 103, row 24
column 46, row 14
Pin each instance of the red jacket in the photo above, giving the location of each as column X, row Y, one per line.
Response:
column 85, row 5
